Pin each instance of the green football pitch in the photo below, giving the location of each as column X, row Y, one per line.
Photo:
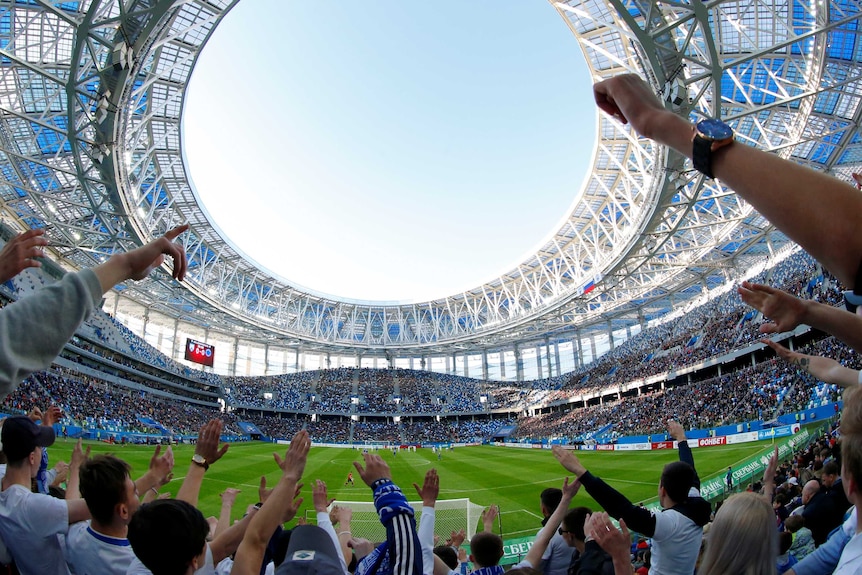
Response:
column 510, row 478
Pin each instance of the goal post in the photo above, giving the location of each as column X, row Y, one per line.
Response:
column 449, row 515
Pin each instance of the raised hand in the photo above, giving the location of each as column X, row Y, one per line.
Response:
column 208, row 440
column 228, row 496
column 375, row 468
column 79, row 456
column 320, row 498
column 785, row 311
column 262, row 492
column 456, row 538
column 675, row 430
column 571, row 489
column 21, row 252
column 632, row 101
column 51, row 416
column 142, row 261
column 783, row 352
column 568, row 460
column 296, row 457
column 616, row 542
column 430, row 488
column 138, row 263
column 162, row 464
column 488, row 516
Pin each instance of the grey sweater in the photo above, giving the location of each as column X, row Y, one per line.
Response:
column 34, row 329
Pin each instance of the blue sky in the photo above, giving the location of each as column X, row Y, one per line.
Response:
column 389, row 150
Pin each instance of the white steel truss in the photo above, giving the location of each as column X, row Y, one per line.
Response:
column 91, row 98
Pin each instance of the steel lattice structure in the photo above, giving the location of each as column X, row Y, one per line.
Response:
column 91, row 150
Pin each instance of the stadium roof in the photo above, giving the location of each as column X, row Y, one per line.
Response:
column 91, row 150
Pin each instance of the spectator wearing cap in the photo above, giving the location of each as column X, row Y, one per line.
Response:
column 310, row 551
column 31, row 522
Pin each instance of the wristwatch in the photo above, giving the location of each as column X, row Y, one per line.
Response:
column 199, row 459
column 709, row 135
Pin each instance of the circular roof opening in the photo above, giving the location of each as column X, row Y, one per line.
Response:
column 389, row 150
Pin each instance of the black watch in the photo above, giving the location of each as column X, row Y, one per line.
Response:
column 709, row 135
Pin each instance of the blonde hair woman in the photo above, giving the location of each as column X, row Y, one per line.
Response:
column 743, row 538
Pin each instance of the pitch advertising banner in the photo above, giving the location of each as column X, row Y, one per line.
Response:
column 632, row 447
column 712, row 441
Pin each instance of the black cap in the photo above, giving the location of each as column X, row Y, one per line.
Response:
column 311, row 551
column 20, row 436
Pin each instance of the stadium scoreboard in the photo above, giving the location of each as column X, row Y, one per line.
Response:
column 199, row 352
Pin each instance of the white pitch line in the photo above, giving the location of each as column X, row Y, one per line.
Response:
column 544, row 481
column 536, row 515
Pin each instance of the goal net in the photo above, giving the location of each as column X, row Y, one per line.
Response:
column 449, row 515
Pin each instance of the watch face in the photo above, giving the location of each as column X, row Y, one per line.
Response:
column 714, row 129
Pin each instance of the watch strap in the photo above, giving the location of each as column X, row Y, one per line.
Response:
column 701, row 155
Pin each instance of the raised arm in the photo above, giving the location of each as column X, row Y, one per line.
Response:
column 250, row 553
column 769, row 476
column 611, row 500
column 207, row 452
column 395, row 514
column 138, row 263
column 21, row 252
column 161, row 467
column 785, row 198
column 489, row 515
column 428, row 494
column 616, row 542
column 35, row 329
column 79, row 456
column 676, row 431
column 823, row 368
column 534, row 555
column 321, row 501
column 786, row 311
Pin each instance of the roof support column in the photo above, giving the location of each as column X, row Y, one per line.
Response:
column 174, row 340
column 557, row 357
column 519, row 364
column 233, row 358
column 577, row 352
column 539, row 362
column 610, row 336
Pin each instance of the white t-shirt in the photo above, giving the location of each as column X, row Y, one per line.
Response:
column 91, row 553
column 138, row 568
column 850, row 562
column 31, row 525
column 676, row 544
column 226, row 565
column 557, row 555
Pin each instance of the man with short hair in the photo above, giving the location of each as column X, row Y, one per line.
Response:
column 834, row 489
column 676, row 531
column 181, row 529
column 817, row 512
column 101, row 547
column 589, row 557
column 30, row 523
column 558, row 555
